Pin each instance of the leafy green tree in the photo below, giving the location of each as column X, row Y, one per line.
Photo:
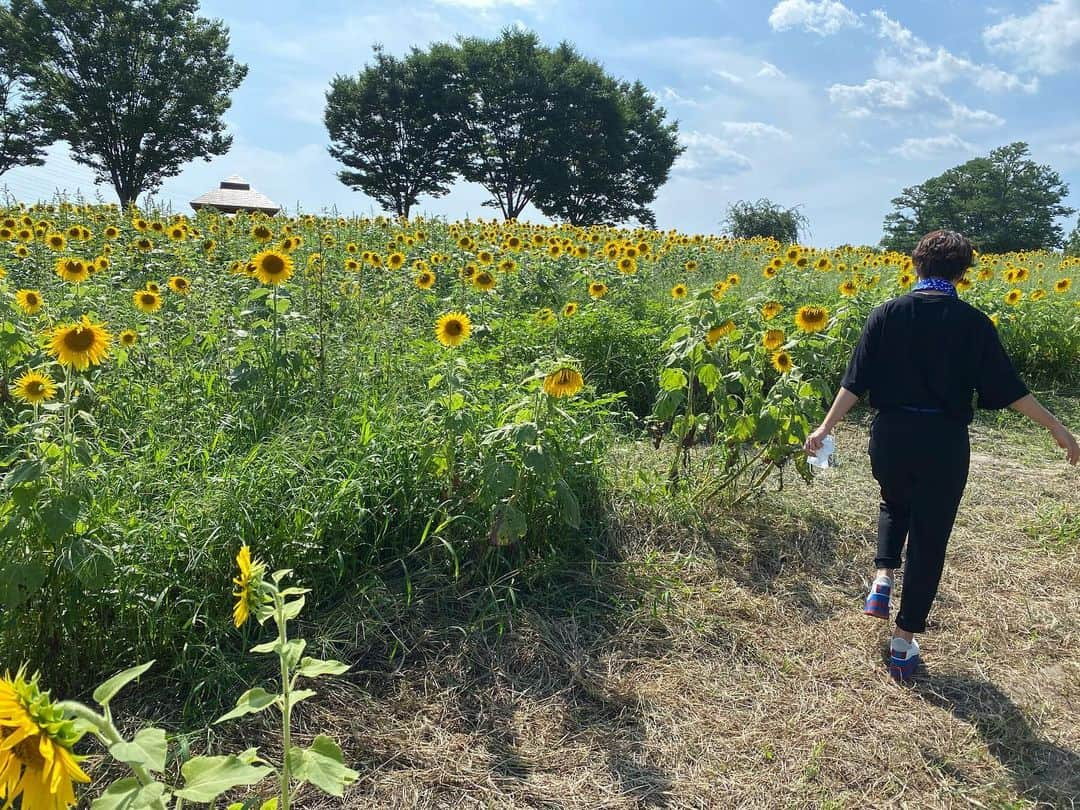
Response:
column 745, row 220
column 549, row 127
column 136, row 87
column 613, row 159
column 397, row 126
column 23, row 134
column 1002, row 202
column 1072, row 247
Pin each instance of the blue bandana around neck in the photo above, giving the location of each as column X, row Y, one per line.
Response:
column 936, row 284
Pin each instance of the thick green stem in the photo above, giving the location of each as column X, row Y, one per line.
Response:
column 286, row 708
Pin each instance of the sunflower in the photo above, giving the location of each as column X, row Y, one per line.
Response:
column 719, row 331
column 823, row 264
column 627, row 265
column 146, row 300
column 812, row 319
column 773, row 339
column 180, row 284
column 72, row 269
column 1062, row 285
column 81, row 345
column 570, row 309
column 848, row 288
column 261, row 234
column 484, row 281
column 986, row 274
column 129, row 337
column 507, row 265
column 545, row 315
column 34, row 388
column 770, row 309
column 1037, row 295
column 1012, row 297
column 177, row 233
column 395, row 260
column 563, row 382
column 792, row 254
column 144, row 244
column 29, row 301
column 769, row 272
column 111, row 232
column 56, row 241
column 906, row 279
column 690, row 265
column 153, row 286
column 453, row 328
column 425, row 280
column 782, row 362
column 994, row 319
column 597, row 289
column 963, row 284
column 37, row 762
column 679, row 291
column 485, row 257
column 249, row 592
column 272, row 267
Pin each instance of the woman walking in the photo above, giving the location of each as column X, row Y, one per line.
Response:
column 924, row 357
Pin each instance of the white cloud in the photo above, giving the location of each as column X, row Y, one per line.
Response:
column 709, row 157
column 824, row 17
column 770, row 71
column 673, row 96
column 926, row 148
column 752, row 131
column 884, row 98
column 728, row 76
column 1047, row 40
column 921, row 64
column 486, row 5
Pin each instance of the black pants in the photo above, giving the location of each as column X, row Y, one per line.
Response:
column 921, row 462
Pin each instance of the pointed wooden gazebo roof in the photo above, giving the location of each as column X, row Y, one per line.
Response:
column 235, row 194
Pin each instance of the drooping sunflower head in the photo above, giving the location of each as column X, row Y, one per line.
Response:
column 1012, row 297
column 29, row 301
column 129, row 337
column 146, row 300
column 484, row 281
column 72, row 269
column 812, row 319
column 250, row 594
column 679, row 291
column 80, row 345
column 273, row 267
column 545, row 315
column 570, row 309
column 598, row 289
column 848, row 288
column 770, row 309
column 782, row 362
column 773, row 339
column 719, row 331
column 37, row 761
column 565, row 381
column 453, row 329
column 1062, row 285
column 33, row 388
column 425, row 280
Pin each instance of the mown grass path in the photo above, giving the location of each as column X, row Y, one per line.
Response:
column 726, row 664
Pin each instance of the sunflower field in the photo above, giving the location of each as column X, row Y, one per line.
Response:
column 359, row 399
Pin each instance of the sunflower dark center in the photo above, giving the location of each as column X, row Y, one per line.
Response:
column 79, row 339
column 453, row 328
column 273, row 265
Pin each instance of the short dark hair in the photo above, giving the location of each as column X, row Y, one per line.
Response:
column 943, row 254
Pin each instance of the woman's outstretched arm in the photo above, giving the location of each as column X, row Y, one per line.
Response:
column 1033, row 410
column 844, row 402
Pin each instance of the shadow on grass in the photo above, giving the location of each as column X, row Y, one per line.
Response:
column 1041, row 771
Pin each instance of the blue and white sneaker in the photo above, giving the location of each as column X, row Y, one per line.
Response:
column 877, row 603
column 903, row 659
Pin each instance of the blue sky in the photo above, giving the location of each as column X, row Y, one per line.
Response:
column 832, row 106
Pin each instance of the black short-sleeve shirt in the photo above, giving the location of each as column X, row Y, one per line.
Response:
column 926, row 350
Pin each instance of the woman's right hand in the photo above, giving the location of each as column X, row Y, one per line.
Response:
column 1066, row 441
column 814, row 440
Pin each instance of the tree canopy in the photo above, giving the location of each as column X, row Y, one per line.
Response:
column 745, row 220
column 530, row 124
column 137, row 89
column 23, row 134
column 397, row 126
column 1003, row 202
column 1072, row 246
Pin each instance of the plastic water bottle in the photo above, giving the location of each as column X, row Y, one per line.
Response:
column 821, row 460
